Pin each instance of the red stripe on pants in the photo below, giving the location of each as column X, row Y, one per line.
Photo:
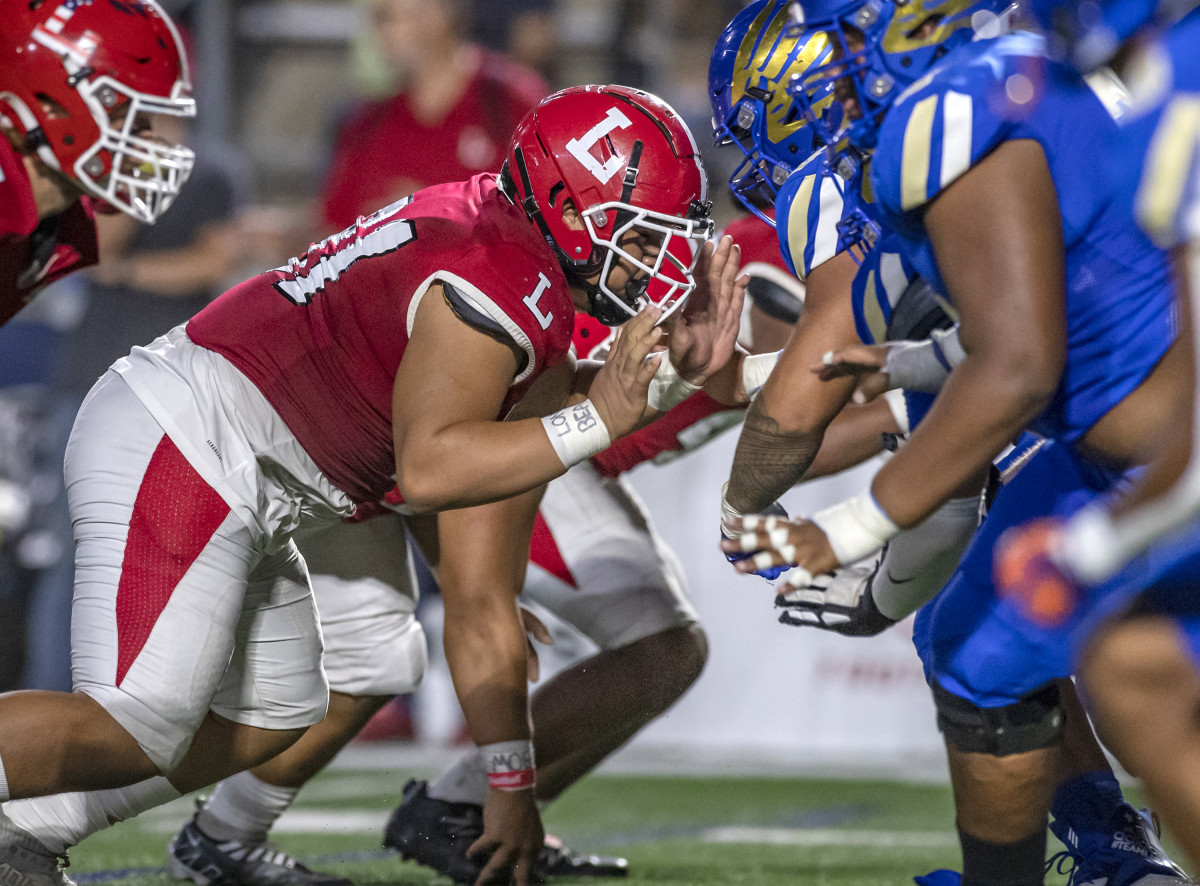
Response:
column 174, row 517
column 544, row 552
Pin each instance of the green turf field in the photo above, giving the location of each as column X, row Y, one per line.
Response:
column 674, row 831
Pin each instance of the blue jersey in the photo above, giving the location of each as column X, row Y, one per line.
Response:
column 807, row 210
column 1119, row 296
column 1160, row 147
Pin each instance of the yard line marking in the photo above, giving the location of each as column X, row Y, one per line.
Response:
column 831, row 837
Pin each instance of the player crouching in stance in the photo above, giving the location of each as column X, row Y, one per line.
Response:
column 387, row 354
column 80, row 85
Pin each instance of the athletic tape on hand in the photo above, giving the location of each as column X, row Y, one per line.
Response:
column 668, row 388
column 855, row 528
column 756, row 369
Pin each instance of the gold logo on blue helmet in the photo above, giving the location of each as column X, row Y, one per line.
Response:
column 768, row 60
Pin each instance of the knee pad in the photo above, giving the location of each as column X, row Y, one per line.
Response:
column 1030, row 724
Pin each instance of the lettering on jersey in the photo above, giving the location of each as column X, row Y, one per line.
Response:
column 581, row 148
column 531, row 302
column 326, row 261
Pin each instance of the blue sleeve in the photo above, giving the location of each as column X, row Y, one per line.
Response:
column 934, row 134
column 1168, row 140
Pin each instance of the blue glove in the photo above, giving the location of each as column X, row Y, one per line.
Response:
column 771, row 572
column 941, row 877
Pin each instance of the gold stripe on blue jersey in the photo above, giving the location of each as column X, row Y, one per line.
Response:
column 914, row 161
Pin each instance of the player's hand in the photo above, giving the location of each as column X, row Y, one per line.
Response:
column 1029, row 574
column 534, row 630
column 840, row 601
column 727, row 532
column 703, row 333
column 864, row 361
column 512, row 838
column 773, row 541
column 619, row 389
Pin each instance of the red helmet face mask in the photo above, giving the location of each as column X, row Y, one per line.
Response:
column 82, row 80
column 629, row 165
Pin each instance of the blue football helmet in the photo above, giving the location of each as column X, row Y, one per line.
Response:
column 879, row 48
column 752, row 66
column 1088, row 33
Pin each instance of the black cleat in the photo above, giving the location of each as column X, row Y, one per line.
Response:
column 435, row 833
column 438, row 834
column 197, row 857
column 558, row 860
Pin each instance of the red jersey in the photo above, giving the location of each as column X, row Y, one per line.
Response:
column 384, row 151
column 758, row 241
column 323, row 336
column 34, row 255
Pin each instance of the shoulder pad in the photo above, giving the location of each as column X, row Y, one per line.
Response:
column 947, row 122
column 809, row 206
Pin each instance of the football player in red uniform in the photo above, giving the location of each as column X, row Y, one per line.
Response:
column 80, row 84
column 311, row 389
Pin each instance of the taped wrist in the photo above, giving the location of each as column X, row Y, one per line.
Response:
column 855, row 528
column 899, row 407
column 1090, row 548
column 668, row 388
column 756, row 369
column 577, row 433
column 924, row 365
column 728, row 512
column 509, row 765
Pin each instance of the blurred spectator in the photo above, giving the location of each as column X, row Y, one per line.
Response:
column 150, row 279
column 456, row 107
column 523, row 29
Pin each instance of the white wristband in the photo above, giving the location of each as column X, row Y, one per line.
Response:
column 509, row 765
column 924, row 365
column 668, row 388
column 577, row 433
column 896, row 403
column 728, row 514
column 855, row 528
column 756, row 369
column 1090, row 548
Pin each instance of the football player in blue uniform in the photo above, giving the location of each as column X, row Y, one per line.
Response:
column 1065, row 320
column 1140, row 670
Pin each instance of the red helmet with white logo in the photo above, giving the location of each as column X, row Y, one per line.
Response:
column 79, row 79
column 628, row 163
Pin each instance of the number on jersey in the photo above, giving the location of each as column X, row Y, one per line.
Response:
column 376, row 234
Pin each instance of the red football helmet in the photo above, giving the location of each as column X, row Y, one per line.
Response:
column 78, row 79
column 627, row 162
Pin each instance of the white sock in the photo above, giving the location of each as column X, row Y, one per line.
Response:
column 465, row 782
column 919, row 561
column 243, row 807
column 60, row 821
column 3, row 783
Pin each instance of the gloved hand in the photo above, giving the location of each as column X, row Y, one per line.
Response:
column 837, row 601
